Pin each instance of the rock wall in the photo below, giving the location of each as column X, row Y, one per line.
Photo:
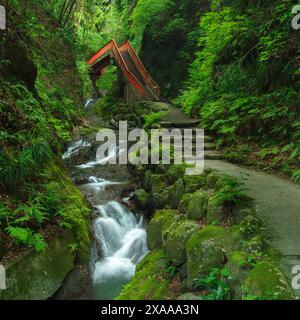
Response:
column 38, row 275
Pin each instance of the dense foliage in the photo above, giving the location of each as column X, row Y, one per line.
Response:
column 244, row 82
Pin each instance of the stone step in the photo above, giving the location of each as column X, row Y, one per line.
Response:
column 207, row 146
column 185, row 124
column 208, row 155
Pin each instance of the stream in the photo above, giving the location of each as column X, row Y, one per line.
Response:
column 120, row 239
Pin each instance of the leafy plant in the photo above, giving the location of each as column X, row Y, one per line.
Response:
column 24, row 236
column 231, row 191
column 215, row 283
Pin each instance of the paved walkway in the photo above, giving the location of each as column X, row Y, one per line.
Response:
column 277, row 201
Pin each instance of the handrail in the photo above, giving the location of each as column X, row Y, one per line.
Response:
column 112, row 46
column 140, row 66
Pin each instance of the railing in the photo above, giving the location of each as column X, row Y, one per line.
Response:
column 141, row 68
column 112, row 46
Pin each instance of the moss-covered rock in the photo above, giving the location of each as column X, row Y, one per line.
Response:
column 177, row 191
column 213, row 179
column 238, row 268
column 204, row 252
column 234, row 239
column 176, row 172
column 151, row 281
column 266, row 281
column 215, row 211
column 184, row 203
column 197, row 208
column 76, row 210
column 142, row 198
column 175, row 238
column 38, row 275
column 156, row 225
column 194, row 183
column 156, row 185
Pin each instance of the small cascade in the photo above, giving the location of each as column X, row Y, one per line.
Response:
column 74, row 148
column 123, row 242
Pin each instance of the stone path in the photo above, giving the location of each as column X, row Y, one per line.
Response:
column 278, row 204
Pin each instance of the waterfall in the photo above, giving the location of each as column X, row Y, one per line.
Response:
column 75, row 148
column 123, row 241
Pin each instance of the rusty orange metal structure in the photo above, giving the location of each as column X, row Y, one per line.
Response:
column 131, row 67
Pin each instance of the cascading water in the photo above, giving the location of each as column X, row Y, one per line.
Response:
column 75, row 148
column 120, row 237
column 123, row 241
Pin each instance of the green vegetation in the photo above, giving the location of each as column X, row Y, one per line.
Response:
column 244, row 82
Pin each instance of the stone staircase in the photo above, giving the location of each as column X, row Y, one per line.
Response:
column 210, row 152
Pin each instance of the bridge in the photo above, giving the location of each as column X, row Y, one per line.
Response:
column 136, row 83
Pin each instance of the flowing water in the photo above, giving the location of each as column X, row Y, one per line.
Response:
column 120, row 239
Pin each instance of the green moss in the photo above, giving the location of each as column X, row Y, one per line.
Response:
column 215, row 212
column 266, row 281
column 213, row 179
column 151, row 281
column 197, row 208
column 175, row 239
column 194, row 183
column 156, row 225
column 234, row 239
column 177, row 190
column 184, row 203
column 75, row 211
column 177, row 172
column 204, row 252
column 238, row 267
column 141, row 197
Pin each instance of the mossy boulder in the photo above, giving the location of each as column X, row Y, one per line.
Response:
column 156, row 225
column 238, row 268
column 184, row 203
column 194, row 183
column 266, row 281
column 151, row 281
column 176, row 172
column 197, row 208
column 204, row 252
column 214, row 179
column 142, row 198
column 156, row 185
column 38, row 275
column 215, row 211
column 175, row 238
column 177, row 191
column 234, row 239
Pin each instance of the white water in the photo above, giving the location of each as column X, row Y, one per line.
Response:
column 97, row 185
column 113, row 152
column 123, row 241
column 75, row 148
